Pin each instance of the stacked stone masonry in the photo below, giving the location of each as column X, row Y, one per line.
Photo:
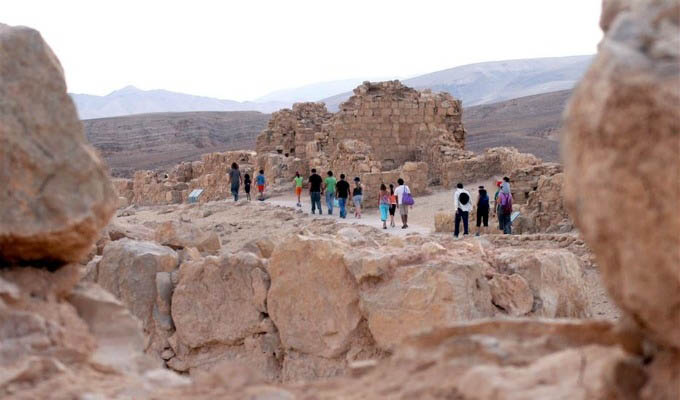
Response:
column 383, row 132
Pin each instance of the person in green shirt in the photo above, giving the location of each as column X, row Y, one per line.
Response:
column 329, row 188
column 298, row 187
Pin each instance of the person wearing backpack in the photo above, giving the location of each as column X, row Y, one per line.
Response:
column 497, row 205
column 404, row 200
column 505, row 199
column 482, row 211
column 463, row 204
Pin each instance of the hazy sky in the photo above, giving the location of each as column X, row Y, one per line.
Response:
column 244, row 49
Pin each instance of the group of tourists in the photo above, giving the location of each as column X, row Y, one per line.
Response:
column 337, row 194
column 503, row 207
column 236, row 180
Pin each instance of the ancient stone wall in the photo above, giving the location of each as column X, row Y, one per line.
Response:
column 495, row 162
column 289, row 130
column 544, row 210
column 400, row 123
column 380, row 128
column 210, row 174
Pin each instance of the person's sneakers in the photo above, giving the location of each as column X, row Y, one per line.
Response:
column 404, row 226
column 477, row 234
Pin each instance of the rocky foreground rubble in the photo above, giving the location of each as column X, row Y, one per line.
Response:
column 116, row 314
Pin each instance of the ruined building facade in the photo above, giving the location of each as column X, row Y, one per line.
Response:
column 380, row 128
column 385, row 131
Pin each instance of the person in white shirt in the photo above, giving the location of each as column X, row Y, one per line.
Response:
column 403, row 208
column 463, row 204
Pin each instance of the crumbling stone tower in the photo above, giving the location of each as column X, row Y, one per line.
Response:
column 400, row 123
column 396, row 123
column 289, row 131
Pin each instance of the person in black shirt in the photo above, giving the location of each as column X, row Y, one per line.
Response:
column 357, row 197
column 482, row 210
column 315, row 191
column 342, row 193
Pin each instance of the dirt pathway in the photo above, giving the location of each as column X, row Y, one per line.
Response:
column 421, row 215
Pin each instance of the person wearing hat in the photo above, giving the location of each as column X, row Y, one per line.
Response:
column 482, row 211
column 357, row 197
column 497, row 204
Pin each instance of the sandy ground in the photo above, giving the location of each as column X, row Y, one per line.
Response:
column 421, row 215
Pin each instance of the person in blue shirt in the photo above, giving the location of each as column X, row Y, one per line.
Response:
column 260, row 184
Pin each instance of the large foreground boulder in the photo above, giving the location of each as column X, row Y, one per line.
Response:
column 313, row 299
column 55, row 194
column 621, row 161
column 421, row 297
column 555, row 278
column 133, row 271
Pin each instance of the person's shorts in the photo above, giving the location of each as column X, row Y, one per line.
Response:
column 393, row 209
column 357, row 200
column 298, row 190
column 403, row 209
column 482, row 217
column 246, row 188
column 260, row 188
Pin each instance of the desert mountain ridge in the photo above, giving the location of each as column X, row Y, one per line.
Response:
column 495, row 81
column 159, row 140
column 474, row 84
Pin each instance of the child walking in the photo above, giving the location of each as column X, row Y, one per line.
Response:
column 246, row 185
column 393, row 205
column 384, row 204
column 298, row 188
column 357, row 197
column 260, row 184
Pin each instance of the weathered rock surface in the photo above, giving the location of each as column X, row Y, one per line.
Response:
column 491, row 359
column 128, row 269
column 621, row 158
column 220, row 300
column 545, row 210
column 511, row 293
column 314, row 302
column 420, row 297
column 56, row 192
column 118, row 334
column 179, row 235
column 555, row 278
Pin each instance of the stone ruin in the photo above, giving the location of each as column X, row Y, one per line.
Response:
column 383, row 132
column 380, row 129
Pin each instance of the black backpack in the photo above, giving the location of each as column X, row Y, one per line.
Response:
column 463, row 198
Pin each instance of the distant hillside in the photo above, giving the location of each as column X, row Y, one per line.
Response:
column 313, row 92
column 531, row 124
column 491, row 82
column 482, row 83
column 150, row 141
column 130, row 101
